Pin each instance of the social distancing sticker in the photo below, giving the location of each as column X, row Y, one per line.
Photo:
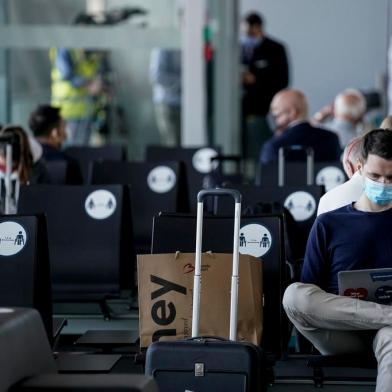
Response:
column 100, row 204
column 330, row 177
column 202, row 160
column 302, row 205
column 255, row 240
column 161, row 179
column 13, row 238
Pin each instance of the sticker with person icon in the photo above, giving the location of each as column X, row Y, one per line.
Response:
column 330, row 177
column 12, row 238
column 255, row 240
column 161, row 179
column 302, row 205
column 100, row 204
column 201, row 160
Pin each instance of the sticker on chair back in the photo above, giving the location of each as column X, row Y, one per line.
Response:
column 100, row 204
column 330, row 177
column 255, row 240
column 302, row 205
column 161, row 179
column 201, row 160
column 13, row 238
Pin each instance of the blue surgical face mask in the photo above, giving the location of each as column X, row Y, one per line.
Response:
column 250, row 42
column 377, row 192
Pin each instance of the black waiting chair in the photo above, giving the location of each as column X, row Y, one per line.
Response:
column 88, row 238
column 199, row 166
column 27, row 363
column 363, row 361
column 329, row 174
column 85, row 155
column 261, row 236
column 63, row 172
column 24, row 266
column 300, row 201
column 153, row 187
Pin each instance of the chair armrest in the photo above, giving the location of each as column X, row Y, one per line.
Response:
column 87, row 382
column 295, row 267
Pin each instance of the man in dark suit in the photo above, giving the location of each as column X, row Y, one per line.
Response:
column 264, row 73
column 289, row 109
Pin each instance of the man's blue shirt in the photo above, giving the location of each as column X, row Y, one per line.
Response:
column 346, row 239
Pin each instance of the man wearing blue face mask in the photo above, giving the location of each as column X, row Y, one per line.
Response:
column 264, row 73
column 357, row 236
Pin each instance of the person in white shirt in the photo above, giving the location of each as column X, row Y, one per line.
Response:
column 351, row 190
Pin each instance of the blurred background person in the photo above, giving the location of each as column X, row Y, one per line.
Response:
column 78, row 87
column 48, row 127
column 351, row 190
column 265, row 71
column 386, row 123
column 24, row 171
column 289, row 109
column 345, row 116
column 165, row 76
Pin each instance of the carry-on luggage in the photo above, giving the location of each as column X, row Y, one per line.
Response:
column 209, row 363
column 309, row 163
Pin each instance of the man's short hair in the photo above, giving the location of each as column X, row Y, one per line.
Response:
column 254, row 19
column 44, row 119
column 377, row 142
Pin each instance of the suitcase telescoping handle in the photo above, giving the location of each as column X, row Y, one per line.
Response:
column 309, row 163
column 235, row 277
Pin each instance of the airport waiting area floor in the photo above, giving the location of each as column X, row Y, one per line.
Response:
column 291, row 374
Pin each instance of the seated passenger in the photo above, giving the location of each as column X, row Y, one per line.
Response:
column 351, row 190
column 386, row 123
column 346, row 116
column 357, row 236
column 289, row 109
column 28, row 170
column 49, row 129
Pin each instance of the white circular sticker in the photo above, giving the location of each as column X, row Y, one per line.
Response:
column 100, row 204
column 301, row 205
column 255, row 240
column 330, row 177
column 202, row 160
column 12, row 238
column 161, row 179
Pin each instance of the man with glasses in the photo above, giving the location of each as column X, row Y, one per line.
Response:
column 289, row 109
column 354, row 237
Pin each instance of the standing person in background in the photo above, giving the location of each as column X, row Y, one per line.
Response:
column 76, row 82
column 165, row 75
column 265, row 71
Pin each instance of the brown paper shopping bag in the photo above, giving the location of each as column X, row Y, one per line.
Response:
column 166, row 290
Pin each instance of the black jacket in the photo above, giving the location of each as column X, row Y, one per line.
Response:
column 324, row 143
column 269, row 64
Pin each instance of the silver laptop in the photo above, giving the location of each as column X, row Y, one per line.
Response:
column 369, row 285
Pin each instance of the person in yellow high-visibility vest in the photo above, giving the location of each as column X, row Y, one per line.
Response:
column 76, row 82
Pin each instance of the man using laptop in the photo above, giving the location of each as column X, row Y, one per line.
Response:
column 353, row 237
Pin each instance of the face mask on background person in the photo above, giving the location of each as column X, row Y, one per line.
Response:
column 377, row 192
column 250, row 42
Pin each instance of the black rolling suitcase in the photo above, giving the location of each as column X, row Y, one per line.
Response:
column 203, row 363
column 309, row 163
